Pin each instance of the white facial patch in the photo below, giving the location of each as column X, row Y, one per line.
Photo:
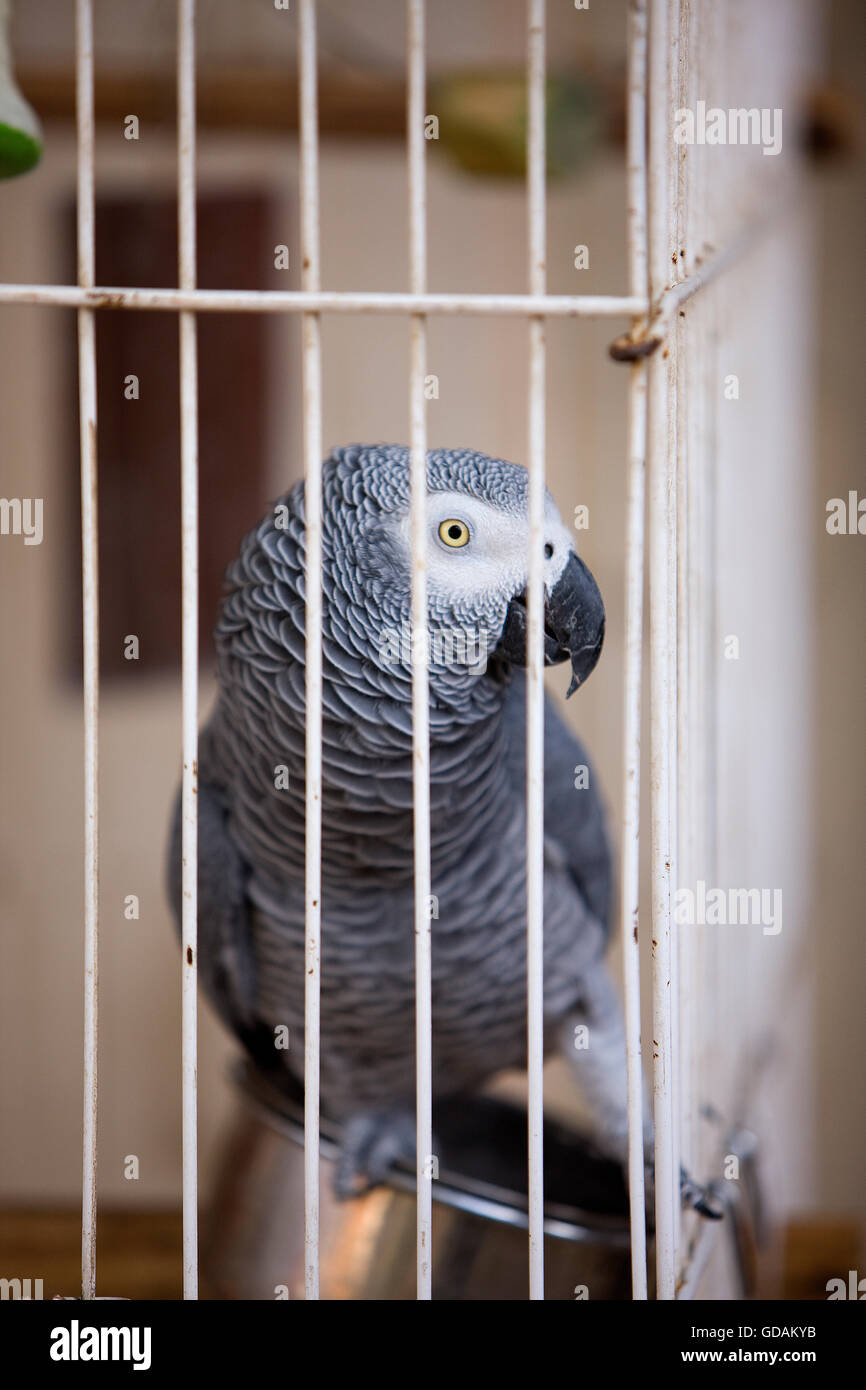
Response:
column 494, row 559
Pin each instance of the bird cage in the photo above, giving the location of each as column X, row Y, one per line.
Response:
column 712, row 834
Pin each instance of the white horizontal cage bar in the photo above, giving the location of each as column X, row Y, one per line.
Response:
column 323, row 301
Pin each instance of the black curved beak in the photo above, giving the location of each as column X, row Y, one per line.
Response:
column 573, row 624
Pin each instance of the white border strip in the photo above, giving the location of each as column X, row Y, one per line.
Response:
column 312, row 410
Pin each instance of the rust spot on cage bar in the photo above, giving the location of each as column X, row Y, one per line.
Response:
column 628, row 349
column 106, row 301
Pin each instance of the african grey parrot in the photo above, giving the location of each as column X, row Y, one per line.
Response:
column 251, row 856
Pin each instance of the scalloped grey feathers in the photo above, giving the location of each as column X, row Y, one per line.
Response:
column 251, row 918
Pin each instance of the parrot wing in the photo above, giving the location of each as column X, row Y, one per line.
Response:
column 225, row 954
column 575, row 832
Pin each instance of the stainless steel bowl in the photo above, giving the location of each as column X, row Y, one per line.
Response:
column 253, row 1244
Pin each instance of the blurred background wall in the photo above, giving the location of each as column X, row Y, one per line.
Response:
column 801, row 757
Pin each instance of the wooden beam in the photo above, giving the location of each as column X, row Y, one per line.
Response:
column 350, row 104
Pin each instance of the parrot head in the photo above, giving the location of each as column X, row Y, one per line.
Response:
column 477, row 555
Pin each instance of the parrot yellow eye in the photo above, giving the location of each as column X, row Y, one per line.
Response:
column 453, row 532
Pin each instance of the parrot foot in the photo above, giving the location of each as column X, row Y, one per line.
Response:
column 700, row 1197
column 372, row 1143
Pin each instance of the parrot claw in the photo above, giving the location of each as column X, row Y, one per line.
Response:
column 372, row 1143
column 701, row 1198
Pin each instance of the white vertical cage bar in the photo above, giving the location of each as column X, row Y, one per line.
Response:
column 630, row 861
column 702, row 585
column 186, row 133
column 312, row 413
column 537, row 238
column 662, row 634
column 420, row 663
column 704, row 1244
column 90, row 602
column 714, row 202
column 690, row 789
column 677, row 465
